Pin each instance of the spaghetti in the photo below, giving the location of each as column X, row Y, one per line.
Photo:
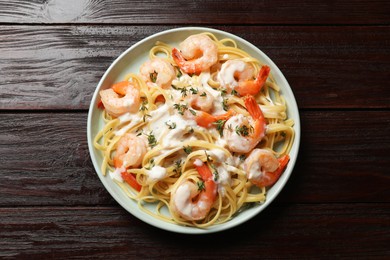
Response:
column 201, row 131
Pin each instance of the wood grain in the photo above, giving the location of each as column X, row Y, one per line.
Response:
column 202, row 12
column 100, row 232
column 59, row 67
column 45, row 160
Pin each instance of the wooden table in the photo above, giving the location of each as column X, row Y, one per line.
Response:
column 336, row 57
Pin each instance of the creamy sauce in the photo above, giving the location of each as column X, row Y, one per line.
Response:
column 157, row 173
column 134, row 120
column 116, row 175
column 174, row 137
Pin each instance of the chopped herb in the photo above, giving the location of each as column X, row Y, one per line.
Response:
column 223, row 92
column 174, row 87
column 194, row 91
column 153, row 76
column 191, row 130
column 192, row 111
column 177, row 166
column 180, row 108
column 215, row 172
column 171, row 125
column 151, row 164
column 187, row 149
column 151, row 139
column 183, row 92
column 225, row 106
column 200, row 185
column 219, row 123
column 145, row 116
column 283, row 134
column 203, row 94
column 242, row 157
column 244, row 130
column 143, row 106
column 234, row 92
column 178, row 74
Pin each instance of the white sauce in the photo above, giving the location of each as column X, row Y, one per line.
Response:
column 175, row 137
column 198, row 163
column 158, row 119
column 157, row 173
column 116, row 175
column 217, row 154
column 134, row 120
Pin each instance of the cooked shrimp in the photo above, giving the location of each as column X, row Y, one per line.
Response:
column 158, row 71
column 202, row 100
column 121, row 98
column 182, row 201
column 238, row 75
column 130, row 151
column 243, row 133
column 234, row 71
column 198, row 53
column 263, row 168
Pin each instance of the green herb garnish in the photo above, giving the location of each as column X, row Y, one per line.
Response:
column 219, row 124
column 153, row 76
column 244, row 130
column 151, row 139
column 200, row 185
column 187, row 149
column 171, row 125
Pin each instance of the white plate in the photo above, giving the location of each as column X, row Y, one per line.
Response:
column 130, row 61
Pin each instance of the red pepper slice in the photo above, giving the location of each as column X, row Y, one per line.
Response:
column 131, row 180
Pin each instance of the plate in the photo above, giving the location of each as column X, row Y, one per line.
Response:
column 130, row 61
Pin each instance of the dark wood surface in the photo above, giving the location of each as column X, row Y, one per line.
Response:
column 336, row 57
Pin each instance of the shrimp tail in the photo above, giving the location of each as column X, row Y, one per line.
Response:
column 253, row 108
column 252, row 87
column 210, row 186
column 257, row 115
column 184, row 65
column 206, row 120
column 283, row 161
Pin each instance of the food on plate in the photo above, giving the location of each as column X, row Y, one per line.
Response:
column 200, row 131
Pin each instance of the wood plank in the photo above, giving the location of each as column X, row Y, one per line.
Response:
column 202, row 12
column 97, row 232
column 45, row 160
column 58, row 67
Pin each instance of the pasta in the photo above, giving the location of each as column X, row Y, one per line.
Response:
column 201, row 131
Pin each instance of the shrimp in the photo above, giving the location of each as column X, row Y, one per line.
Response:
column 198, row 53
column 182, row 201
column 243, row 133
column 238, row 75
column 263, row 169
column 158, row 71
column 202, row 100
column 121, row 98
column 130, row 151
